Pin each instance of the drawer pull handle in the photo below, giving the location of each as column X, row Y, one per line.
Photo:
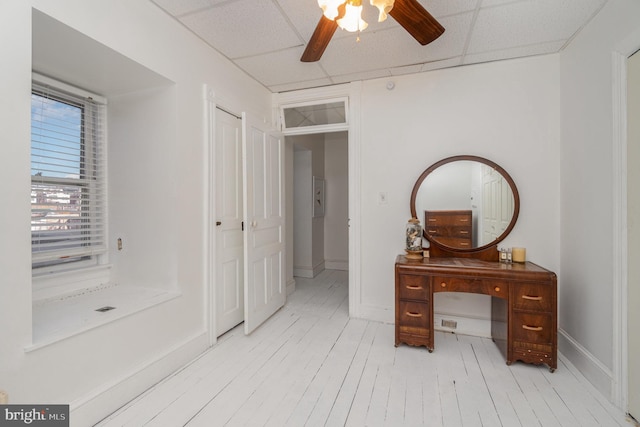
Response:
column 414, row 287
column 433, row 231
column 411, row 314
column 497, row 289
column 532, row 328
column 443, row 284
column 464, row 232
column 531, row 298
column 464, row 219
column 432, row 219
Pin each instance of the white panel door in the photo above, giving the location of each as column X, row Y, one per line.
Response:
column 497, row 204
column 264, row 208
column 229, row 240
column 490, row 207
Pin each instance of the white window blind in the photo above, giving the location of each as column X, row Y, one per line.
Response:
column 68, row 188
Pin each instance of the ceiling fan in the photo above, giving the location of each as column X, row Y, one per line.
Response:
column 346, row 14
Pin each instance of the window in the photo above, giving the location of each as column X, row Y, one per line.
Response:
column 68, row 192
column 314, row 116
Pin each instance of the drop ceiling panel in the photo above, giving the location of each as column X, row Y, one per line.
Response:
column 508, row 26
column 440, row 8
column 182, row 7
column 394, row 48
column 244, row 27
column 266, row 38
column 281, row 67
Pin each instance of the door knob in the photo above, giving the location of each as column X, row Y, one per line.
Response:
column 218, row 223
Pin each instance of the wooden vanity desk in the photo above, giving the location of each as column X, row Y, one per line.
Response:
column 523, row 303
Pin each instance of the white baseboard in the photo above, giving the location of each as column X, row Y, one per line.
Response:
column 336, row 264
column 303, row 272
column 375, row 313
column 291, row 286
column 589, row 366
column 308, row 271
column 101, row 402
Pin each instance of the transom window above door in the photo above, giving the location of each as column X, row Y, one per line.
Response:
column 319, row 116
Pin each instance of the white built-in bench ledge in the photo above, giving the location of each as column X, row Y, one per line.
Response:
column 59, row 317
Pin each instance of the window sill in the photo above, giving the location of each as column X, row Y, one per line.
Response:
column 64, row 316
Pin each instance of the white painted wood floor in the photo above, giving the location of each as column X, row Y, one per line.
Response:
column 312, row 365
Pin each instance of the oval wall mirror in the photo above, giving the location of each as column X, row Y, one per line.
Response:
column 465, row 203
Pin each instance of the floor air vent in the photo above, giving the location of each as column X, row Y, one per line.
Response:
column 105, row 308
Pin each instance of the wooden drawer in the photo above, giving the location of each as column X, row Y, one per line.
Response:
column 494, row 288
column 449, row 231
column 532, row 328
column 447, row 218
column 413, row 318
column 454, row 242
column 413, row 287
column 532, row 296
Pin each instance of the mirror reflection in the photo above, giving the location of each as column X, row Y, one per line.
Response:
column 465, row 204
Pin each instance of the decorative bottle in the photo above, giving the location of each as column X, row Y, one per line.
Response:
column 414, row 238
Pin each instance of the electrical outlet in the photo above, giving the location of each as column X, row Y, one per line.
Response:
column 4, row 397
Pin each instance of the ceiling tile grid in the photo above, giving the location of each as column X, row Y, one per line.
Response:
column 266, row 38
column 243, row 27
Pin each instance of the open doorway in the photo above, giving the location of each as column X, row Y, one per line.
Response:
column 319, row 215
column 330, row 112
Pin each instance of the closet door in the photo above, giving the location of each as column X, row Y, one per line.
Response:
column 264, row 209
column 229, row 241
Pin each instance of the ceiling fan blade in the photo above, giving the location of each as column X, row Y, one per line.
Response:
column 322, row 36
column 416, row 20
column 319, row 40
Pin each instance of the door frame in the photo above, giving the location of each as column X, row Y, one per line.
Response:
column 351, row 92
column 620, row 371
column 209, row 205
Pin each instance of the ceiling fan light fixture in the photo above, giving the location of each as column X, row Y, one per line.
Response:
column 384, row 7
column 410, row 14
column 330, row 8
column 352, row 20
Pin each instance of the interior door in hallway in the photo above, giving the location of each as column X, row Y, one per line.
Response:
column 264, row 216
column 633, row 233
column 229, row 240
column 497, row 205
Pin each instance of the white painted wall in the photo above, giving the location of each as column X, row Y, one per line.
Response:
column 508, row 112
column 336, row 225
column 288, row 185
column 587, row 288
column 308, row 232
column 302, row 212
column 99, row 370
